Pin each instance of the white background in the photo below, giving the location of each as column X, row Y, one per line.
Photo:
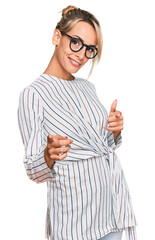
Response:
column 126, row 72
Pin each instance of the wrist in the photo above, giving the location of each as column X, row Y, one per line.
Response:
column 48, row 160
column 115, row 134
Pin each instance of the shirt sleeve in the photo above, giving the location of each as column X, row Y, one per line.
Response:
column 114, row 143
column 30, row 121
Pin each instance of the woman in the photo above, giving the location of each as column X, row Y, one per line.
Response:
column 67, row 143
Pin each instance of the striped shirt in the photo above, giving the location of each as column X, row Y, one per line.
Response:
column 87, row 193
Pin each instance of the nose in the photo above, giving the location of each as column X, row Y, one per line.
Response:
column 81, row 53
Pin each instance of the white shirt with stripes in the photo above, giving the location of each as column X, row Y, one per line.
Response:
column 87, row 193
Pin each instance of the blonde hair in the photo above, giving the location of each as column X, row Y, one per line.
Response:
column 72, row 15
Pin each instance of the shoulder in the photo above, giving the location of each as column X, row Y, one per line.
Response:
column 84, row 80
column 31, row 92
column 90, row 84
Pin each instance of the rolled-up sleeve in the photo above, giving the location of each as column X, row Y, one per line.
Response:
column 114, row 143
column 30, row 121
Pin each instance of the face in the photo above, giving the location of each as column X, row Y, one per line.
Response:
column 68, row 60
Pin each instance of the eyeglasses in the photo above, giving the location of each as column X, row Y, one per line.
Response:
column 76, row 44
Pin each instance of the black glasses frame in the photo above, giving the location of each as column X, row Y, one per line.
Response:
column 83, row 44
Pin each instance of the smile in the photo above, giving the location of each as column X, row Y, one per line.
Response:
column 76, row 64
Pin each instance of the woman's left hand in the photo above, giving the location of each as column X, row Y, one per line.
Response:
column 115, row 119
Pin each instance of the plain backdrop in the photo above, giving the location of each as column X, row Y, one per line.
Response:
column 126, row 72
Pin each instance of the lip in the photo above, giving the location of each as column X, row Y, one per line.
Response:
column 71, row 60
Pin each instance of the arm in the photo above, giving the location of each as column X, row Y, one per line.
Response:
column 30, row 121
column 114, row 141
column 116, row 134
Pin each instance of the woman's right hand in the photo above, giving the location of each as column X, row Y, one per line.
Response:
column 55, row 145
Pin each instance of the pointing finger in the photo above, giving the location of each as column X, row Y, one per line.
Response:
column 51, row 138
column 113, row 106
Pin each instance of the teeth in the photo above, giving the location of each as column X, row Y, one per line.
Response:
column 74, row 62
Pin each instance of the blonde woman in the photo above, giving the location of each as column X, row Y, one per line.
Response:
column 68, row 142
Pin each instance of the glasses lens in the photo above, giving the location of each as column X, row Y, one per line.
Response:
column 91, row 52
column 76, row 44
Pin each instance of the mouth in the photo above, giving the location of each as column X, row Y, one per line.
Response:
column 74, row 63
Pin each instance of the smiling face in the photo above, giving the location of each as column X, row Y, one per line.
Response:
column 69, row 61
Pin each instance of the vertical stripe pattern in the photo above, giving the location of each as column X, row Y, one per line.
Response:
column 87, row 193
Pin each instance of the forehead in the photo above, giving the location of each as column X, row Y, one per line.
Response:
column 85, row 31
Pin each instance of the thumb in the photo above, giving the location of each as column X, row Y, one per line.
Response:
column 113, row 106
column 50, row 138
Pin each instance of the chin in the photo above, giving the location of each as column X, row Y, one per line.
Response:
column 72, row 69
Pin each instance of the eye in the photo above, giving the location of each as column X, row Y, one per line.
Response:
column 75, row 42
column 90, row 49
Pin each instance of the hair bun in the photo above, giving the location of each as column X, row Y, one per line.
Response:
column 67, row 9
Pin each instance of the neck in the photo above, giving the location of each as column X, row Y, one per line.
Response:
column 56, row 70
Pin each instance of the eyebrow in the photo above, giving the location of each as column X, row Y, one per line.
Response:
column 79, row 38
column 83, row 40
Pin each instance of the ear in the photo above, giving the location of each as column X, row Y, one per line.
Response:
column 56, row 37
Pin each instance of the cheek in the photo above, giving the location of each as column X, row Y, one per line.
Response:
column 66, row 49
column 64, row 54
column 61, row 55
column 63, row 50
column 85, row 60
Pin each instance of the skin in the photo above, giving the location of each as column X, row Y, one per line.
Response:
column 115, row 120
column 61, row 66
